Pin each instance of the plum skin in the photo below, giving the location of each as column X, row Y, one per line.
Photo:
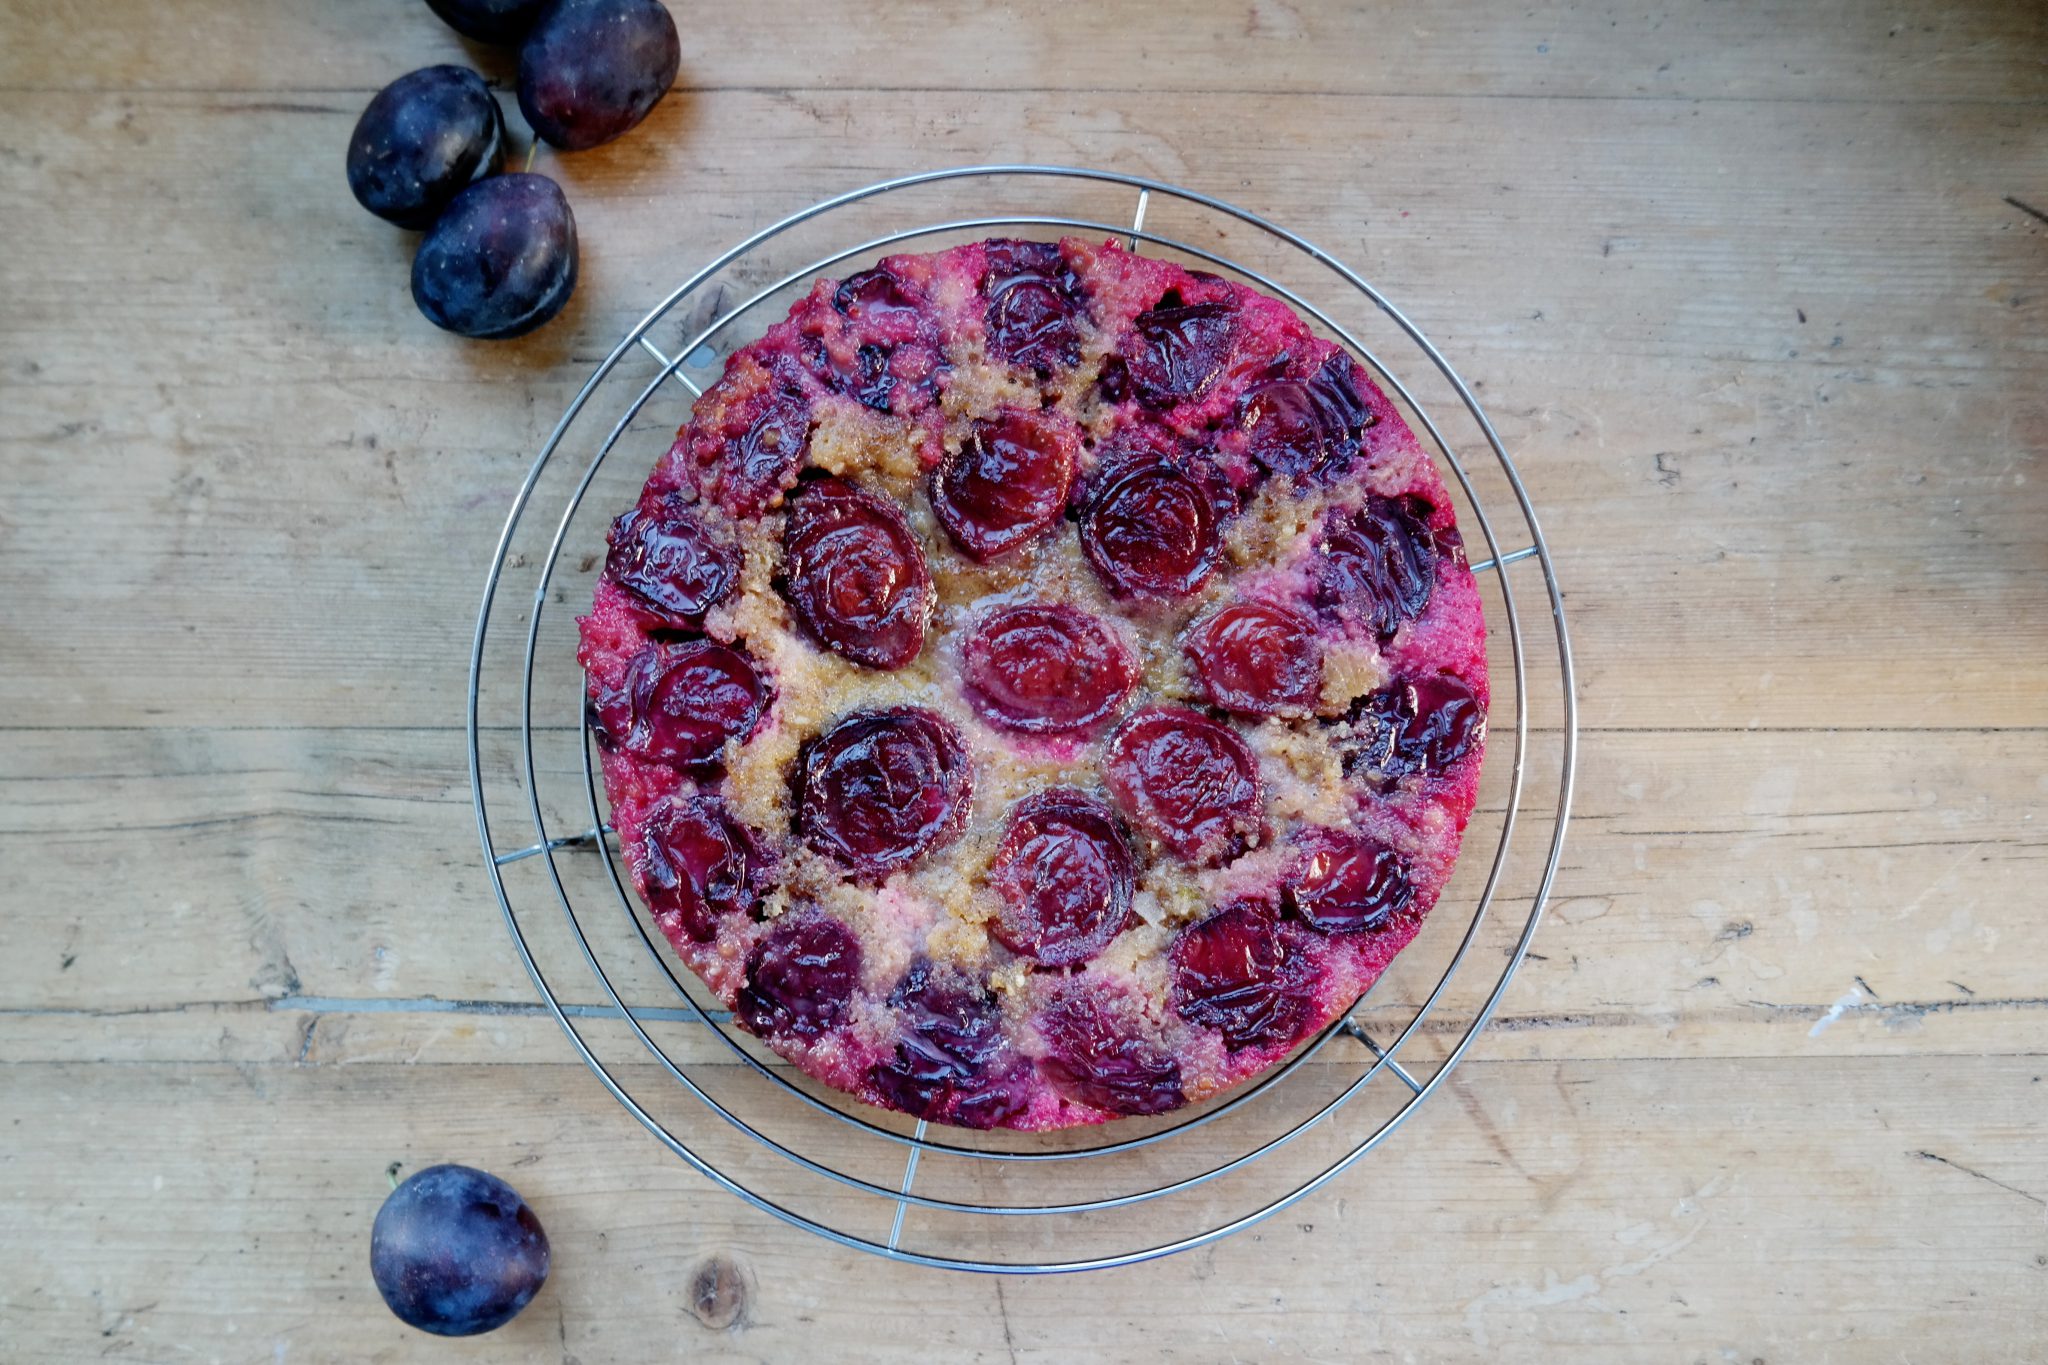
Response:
column 1150, row 533
column 489, row 21
column 800, row 979
column 1006, row 485
column 1033, row 298
column 1093, row 1058
column 855, row 575
column 591, row 70
column 881, row 788
column 953, row 1062
column 1045, row 668
column 1240, row 973
column 421, row 141
column 455, row 1251
column 1187, row 780
column 1065, row 876
column 500, row 260
column 672, row 562
column 679, row 703
column 1257, row 659
column 1378, row 565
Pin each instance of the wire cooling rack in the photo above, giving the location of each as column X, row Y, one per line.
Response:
column 995, row 1202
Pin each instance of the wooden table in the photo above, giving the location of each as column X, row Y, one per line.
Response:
column 1757, row 295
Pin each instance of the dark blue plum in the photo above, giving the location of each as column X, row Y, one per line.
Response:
column 456, row 1251
column 489, row 21
column 501, row 261
column 425, row 138
column 592, row 69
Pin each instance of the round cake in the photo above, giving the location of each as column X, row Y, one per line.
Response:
column 1041, row 684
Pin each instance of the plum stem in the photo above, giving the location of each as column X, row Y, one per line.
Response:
column 531, row 148
column 391, row 1173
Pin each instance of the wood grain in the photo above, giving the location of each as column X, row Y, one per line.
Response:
column 1782, row 1209
column 1754, row 291
column 1856, row 484
column 1836, row 50
column 1719, row 895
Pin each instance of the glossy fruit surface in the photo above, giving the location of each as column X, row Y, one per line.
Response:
column 880, row 788
column 489, row 21
column 680, row 701
column 455, row 1251
column 1378, row 565
column 1239, row 973
column 1046, row 668
column 1182, row 352
column 761, row 458
column 1033, row 301
column 800, row 977
column 876, row 295
column 1093, row 1057
column 856, row 575
column 1341, row 883
column 1257, row 659
column 698, row 863
column 1064, row 876
column 1415, row 728
column 1305, row 429
column 1006, row 485
column 669, row 557
column 499, row 261
column 590, row 70
column 1188, row 781
column 953, row 1061
column 863, row 376
column 422, row 140
column 1150, row 533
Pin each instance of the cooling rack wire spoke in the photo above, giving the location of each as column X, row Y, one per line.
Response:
column 1511, row 557
column 1351, row 1029
column 672, row 368
column 1235, row 1157
column 587, row 839
column 909, row 1176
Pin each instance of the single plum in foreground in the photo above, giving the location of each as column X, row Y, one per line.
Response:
column 455, row 1251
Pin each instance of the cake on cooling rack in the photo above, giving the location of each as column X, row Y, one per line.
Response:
column 1040, row 684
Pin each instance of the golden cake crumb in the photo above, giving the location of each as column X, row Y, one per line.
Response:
column 1350, row 670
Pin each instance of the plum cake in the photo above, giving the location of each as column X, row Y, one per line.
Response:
column 1041, row 684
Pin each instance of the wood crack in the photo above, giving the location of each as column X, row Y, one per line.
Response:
column 1992, row 1180
column 2027, row 209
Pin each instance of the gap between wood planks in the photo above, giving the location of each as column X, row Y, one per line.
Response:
column 1507, row 1023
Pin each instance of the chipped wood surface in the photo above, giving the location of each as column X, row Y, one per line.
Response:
column 1754, row 291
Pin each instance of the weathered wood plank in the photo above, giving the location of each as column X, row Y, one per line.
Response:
column 1651, row 237
column 430, row 1031
column 1780, row 50
column 1794, row 507
column 1720, row 892
column 1693, row 1210
column 1755, row 292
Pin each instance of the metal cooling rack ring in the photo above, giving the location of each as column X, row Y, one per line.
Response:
column 546, row 844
